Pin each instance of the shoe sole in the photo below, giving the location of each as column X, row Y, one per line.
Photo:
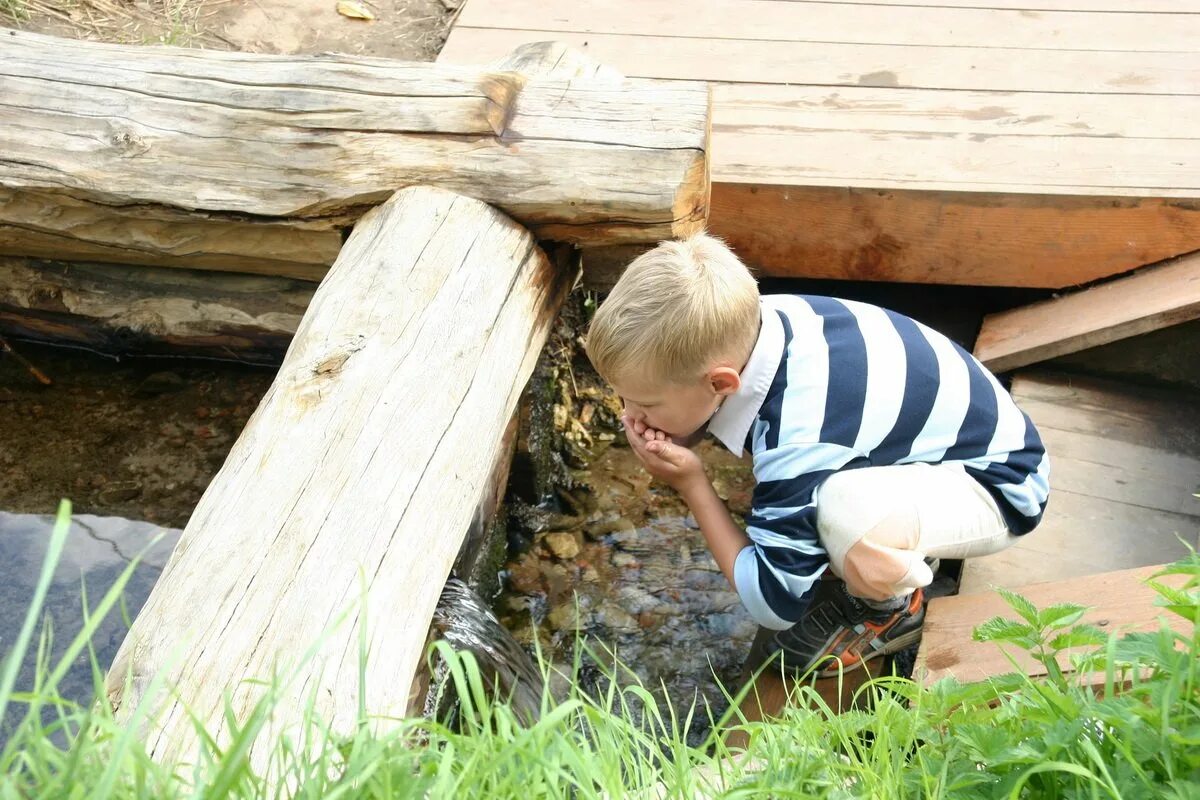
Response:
column 892, row 646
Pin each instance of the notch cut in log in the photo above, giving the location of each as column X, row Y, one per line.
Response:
column 1155, row 297
column 254, row 163
column 368, row 455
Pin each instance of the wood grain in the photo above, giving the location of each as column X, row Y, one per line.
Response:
column 985, row 239
column 360, row 471
column 662, row 55
column 123, row 310
column 810, row 22
column 1124, row 472
column 1154, row 298
column 196, row 144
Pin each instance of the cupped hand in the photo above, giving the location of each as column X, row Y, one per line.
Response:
column 671, row 463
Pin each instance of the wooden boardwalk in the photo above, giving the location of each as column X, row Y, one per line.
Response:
column 992, row 142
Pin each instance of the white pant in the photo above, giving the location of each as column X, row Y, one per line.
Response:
column 879, row 523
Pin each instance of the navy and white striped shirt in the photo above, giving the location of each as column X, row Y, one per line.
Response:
column 836, row 384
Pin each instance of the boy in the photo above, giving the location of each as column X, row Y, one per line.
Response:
column 877, row 442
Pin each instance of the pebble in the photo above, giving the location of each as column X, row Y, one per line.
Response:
column 120, row 492
column 563, row 544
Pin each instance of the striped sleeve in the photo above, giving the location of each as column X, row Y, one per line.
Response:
column 775, row 574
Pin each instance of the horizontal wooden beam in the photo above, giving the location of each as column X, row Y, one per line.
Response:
column 258, row 163
column 1153, row 298
column 120, row 310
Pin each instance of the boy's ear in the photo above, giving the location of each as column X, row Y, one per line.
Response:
column 724, row 380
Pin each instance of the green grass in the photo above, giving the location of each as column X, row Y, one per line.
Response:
column 14, row 10
column 1007, row 738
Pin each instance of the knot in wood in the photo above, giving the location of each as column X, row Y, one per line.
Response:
column 124, row 140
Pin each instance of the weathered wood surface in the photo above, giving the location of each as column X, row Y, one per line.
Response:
column 363, row 466
column 1154, row 298
column 1118, row 602
column 254, row 163
column 123, row 310
column 955, row 142
column 1124, row 471
column 980, row 239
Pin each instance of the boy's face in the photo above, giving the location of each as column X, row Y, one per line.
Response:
column 677, row 409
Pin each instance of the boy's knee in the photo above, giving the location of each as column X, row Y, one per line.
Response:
column 850, row 510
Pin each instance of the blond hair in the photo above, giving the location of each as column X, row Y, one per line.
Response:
column 676, row 309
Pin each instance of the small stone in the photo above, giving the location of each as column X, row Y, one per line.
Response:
column 616, row 618
column 607, row 524
column 563, row 544
column 160, row 383
column 203, row 432
column 589, row 575
column 120, row 492
column 565, row 618
column 202, row 412
column 624, row 560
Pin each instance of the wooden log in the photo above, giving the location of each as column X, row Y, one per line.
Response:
column 1153, row 298
column 254, row 163
column 122, row 310
column 363, row 466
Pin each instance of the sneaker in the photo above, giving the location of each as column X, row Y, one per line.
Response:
column 841, row 632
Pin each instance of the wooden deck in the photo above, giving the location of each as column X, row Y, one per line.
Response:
column 992, row 142
column 1124, row 475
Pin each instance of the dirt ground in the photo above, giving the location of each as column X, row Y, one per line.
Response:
column 403, row 29
column 138, row 439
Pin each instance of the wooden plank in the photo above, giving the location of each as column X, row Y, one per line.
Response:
column 759, row 108
column 1143, row 6
column 966, row 162
column 809, row 22
column 984, row 239
column 1119, row 602
column 263, row 145
column 833, row 64
column 1153, row 298
column 1124, row 467
column 386, row 419
column 1122, row 471
column 1155, row 417
column 1082, row 534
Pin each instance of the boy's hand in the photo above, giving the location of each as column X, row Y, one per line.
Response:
column 676, row 466
column 640, row 428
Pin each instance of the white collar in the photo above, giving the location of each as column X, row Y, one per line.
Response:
column 733, row 420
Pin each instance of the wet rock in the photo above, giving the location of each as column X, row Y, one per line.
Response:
column 624, row 560
column 525, row 576
column 160, row 383
column 565, row 618
column 558, row 580
column 613, row 617
column 589, row 575
column 604, row 524
column 563, row 544
column 536, row 520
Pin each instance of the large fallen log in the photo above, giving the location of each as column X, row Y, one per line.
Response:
column 363, row 465
column 256, row 163
column 119, row 310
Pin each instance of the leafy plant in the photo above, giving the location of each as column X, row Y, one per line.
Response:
column 1013, row 736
